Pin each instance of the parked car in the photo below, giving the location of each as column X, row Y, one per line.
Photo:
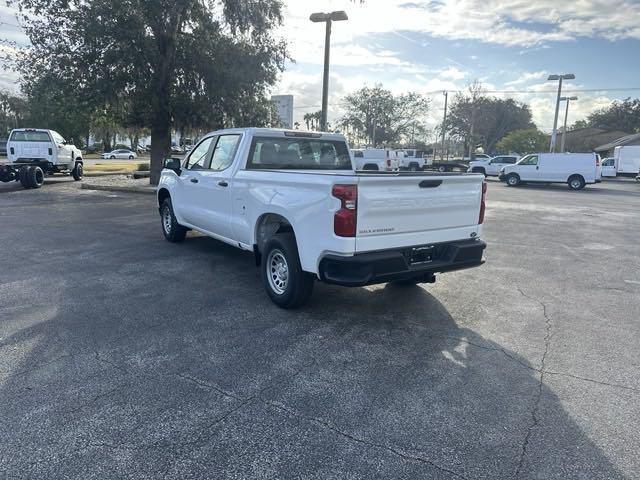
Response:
column 296, row 200
column 32, row 153
column 120, row 153
column 376, row 159
column 493, row 166
column 574, row 169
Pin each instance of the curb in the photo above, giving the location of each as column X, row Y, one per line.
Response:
column 115, row 188
column 105, row 174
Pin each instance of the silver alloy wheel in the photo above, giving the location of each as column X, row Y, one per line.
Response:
column 576, row 183
column 166, row 220
column 277, row 271
column 512, row 180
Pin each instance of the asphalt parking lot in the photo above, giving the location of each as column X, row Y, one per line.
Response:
column 124, row 356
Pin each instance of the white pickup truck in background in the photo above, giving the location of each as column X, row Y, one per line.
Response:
column 295, row 200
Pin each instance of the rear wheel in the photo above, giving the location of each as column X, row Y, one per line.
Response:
column 172, row 230
column 23, row 177
column 576, row 182
column 513, row 180
column 130, row 157
column 35, row 177
column 442, row 169
column 413, row 167
column 286, row 283
column 112, row 157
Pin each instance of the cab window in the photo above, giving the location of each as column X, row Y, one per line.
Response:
column 529, row 160
column 224, row 152
column 197, row 159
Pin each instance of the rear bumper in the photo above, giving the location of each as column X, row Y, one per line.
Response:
column 391, row 265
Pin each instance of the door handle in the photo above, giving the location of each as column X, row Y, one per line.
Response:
column 537, row 168
column 194, row 180
column 222, row 183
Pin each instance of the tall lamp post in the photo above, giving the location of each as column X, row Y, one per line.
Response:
column 566, row 114
column 328, row 19
column 554, row 133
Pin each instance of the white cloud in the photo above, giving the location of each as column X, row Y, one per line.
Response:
column 527, row 77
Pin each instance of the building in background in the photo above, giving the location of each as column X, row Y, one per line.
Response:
column 284, row 108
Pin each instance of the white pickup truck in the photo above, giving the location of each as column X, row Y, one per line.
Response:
column 296, row 201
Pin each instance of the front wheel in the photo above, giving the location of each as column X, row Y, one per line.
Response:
column 513, row 180
column 286, row 283
column 442, row 169
column 77, row 172
column 130, row 157
column 172, row 230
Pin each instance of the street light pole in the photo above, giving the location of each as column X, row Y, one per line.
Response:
column 444, row 122
column 328, row 19
column 554, row 133
column 566, row 114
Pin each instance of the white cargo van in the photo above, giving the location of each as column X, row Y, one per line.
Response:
column 574, row 169
column 627, row 159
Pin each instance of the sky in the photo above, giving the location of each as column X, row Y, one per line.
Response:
column 511, row 46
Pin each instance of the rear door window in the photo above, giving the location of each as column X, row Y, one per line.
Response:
column 285, row 153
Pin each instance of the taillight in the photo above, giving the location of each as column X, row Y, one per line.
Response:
column 344, row 221
column 483, row 203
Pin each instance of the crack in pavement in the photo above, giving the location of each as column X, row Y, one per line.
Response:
column 535, row 421
column 391, row 449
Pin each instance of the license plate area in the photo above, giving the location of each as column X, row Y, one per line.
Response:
column 421, row 255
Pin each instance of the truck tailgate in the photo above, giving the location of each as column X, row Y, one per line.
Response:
column 397, row 211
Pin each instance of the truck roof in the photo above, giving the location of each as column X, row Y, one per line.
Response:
column 255, row 131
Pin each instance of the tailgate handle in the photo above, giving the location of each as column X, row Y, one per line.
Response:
column 430, row 183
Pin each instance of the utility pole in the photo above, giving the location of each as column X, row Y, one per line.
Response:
column 444, row 123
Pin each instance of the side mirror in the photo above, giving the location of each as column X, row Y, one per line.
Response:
column 173, row 164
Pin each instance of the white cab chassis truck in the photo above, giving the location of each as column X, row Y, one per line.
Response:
column 296, row 201
column 33, row 153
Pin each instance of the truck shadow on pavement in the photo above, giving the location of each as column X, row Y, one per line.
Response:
column 189, row 370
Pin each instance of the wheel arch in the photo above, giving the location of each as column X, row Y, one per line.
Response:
column 163, row 194
column 266, row 226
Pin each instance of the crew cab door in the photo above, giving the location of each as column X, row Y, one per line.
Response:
column 206, row 185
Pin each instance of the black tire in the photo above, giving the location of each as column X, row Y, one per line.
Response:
column 130, row 157
column 413, row 167
column 294, row 289
column 479, row 170
column 576, row 182
column 370, row 166
column 77, row 172
column 112, row 157
column 513, row 180
column 442, row 169
column 23, row 175
column 172, row 230
column 35, row 177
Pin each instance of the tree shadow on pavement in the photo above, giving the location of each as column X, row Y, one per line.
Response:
column 189, row 370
